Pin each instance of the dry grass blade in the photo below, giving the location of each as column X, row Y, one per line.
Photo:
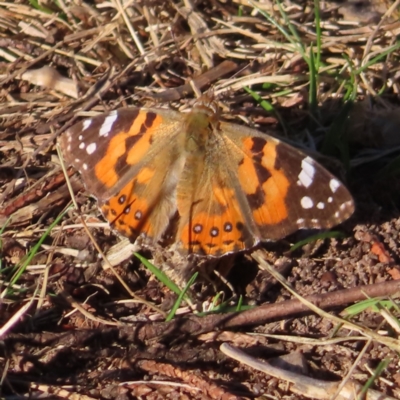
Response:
column 16, row 317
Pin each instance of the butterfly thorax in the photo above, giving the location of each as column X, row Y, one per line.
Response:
column 201, row 125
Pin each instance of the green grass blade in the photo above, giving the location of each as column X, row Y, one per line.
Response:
column 291, row 27
column 240, row 303
column 375, row 305
column 181, row 297
column 318, row 236
column 374, row 60
column 161, row 276
column 295, row 42
column 267, row 106
column 318, row 34
column 313, row 101
column 35, row 4
column 20, row 269
column 377, row 373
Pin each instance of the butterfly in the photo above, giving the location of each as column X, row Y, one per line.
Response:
column 213, row 187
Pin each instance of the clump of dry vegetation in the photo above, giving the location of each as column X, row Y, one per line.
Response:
column 80, row 317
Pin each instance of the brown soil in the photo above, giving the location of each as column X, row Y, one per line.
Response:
column 70, row 328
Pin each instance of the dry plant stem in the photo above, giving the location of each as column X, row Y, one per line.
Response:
column 303, row 385
column 84, row 312
column 134, row 35
column 390, row 342
column 311, row 341
column 213, row 74
column 347, row 379
column 35, row 192
column 151, row 24
column 193, row 325
column 5, row 372
column 391, row 320
column 210, row 389
column 153, row 382
column 290, row 308
column 45, row 278
column 17, row 316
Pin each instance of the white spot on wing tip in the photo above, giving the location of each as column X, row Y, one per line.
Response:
column 309, row 160
column 306, row 202
column 107, row 124
column 82, row 146
column 306, row 175
column 91, row 148
column 86, row 123
column 334, row 184
column 321, row 205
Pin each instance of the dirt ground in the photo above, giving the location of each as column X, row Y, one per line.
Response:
column 70, row 328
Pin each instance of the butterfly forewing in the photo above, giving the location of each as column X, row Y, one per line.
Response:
column 286, row 190
column 126, row 159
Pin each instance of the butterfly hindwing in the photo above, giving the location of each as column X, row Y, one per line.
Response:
column 211, row 219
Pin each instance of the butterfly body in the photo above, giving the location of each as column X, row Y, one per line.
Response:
column 223, row 186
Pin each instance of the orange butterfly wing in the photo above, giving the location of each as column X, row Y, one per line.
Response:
column 129, row 160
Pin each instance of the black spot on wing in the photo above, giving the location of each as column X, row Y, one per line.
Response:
column 210, row 245
column 258, row 145
column 130, row 141
column 120, row 165
column 257, row 199
column 150, row 117
column 263, row 173
column 121, row 199
column 125, row 118
column 239, row 226
column 228, row 227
